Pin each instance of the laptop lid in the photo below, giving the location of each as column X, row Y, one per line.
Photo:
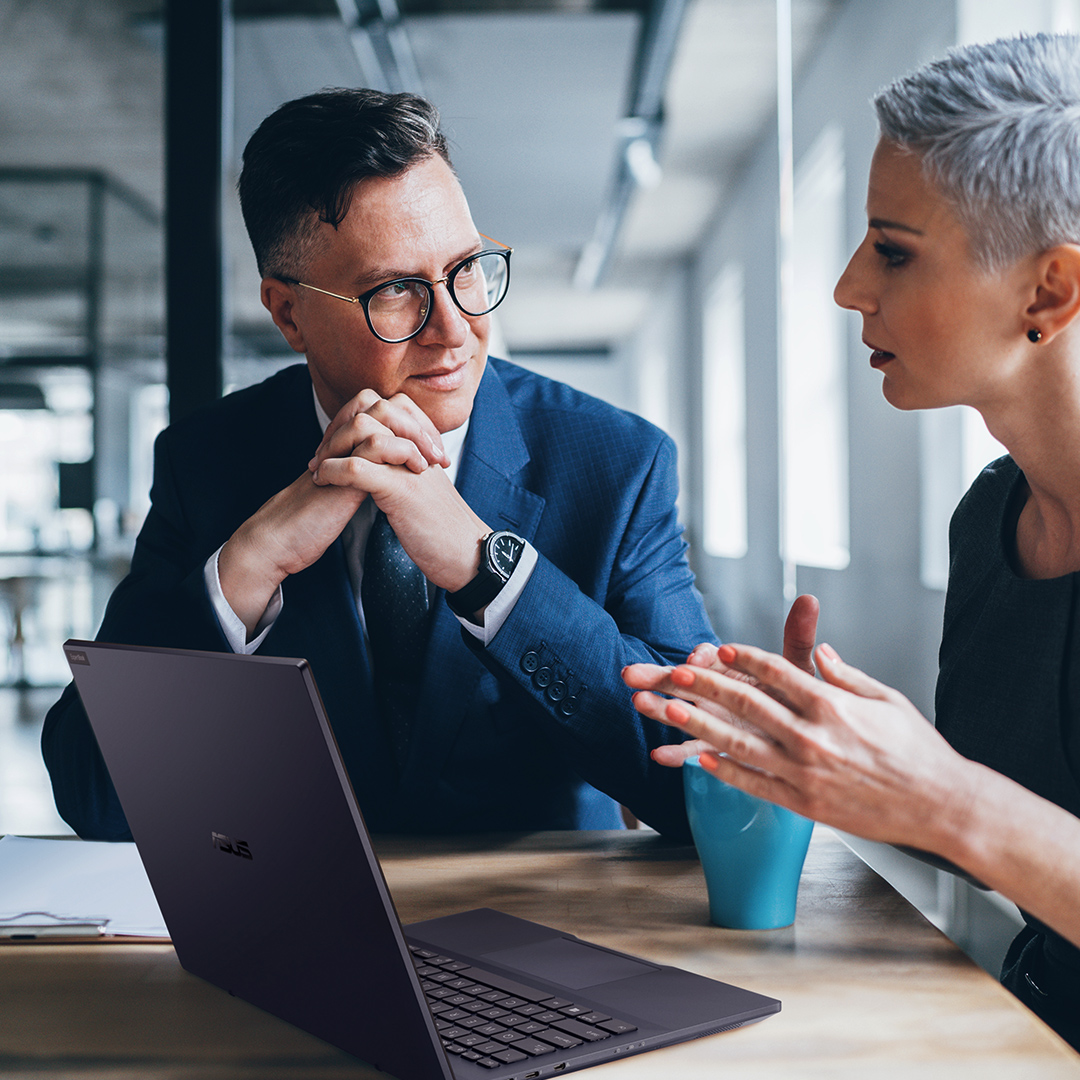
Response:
column 251, row 836
column 254, row 845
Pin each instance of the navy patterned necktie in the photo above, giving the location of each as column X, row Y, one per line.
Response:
column 394, row 593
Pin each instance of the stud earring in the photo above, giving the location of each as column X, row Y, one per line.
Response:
column 1034, row 336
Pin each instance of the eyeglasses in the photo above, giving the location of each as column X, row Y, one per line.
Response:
column 398, row 310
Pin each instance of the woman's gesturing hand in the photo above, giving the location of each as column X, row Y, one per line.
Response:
column 847, row 751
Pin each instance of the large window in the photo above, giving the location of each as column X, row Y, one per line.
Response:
column 724, row 416
column 813, row 384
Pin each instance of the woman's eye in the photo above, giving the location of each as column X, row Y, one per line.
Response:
column 893, row 255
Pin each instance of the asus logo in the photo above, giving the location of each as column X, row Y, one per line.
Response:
column 231, row 846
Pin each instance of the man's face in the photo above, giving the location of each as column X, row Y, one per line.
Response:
column 417, row 224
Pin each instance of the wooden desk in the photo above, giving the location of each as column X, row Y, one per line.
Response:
column 869, row 988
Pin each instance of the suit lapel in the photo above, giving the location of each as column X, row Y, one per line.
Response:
column 494, row 455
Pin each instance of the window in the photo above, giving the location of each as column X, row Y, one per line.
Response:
column 813, row 387
column 724, row 417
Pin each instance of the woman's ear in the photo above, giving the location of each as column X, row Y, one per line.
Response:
column 1057, row 293
column 279, row 298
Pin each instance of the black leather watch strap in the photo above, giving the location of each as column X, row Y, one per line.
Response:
column 476, row 595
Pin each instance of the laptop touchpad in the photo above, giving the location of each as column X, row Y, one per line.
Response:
column 568, row 963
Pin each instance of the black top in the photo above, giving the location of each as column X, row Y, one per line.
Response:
column 1008, row 692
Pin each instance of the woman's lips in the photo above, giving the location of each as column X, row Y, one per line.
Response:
column 879, row 358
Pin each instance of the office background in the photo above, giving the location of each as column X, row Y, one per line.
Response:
column 682, row 181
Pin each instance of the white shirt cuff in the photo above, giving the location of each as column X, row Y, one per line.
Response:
column 497, row 612
column 234, row 630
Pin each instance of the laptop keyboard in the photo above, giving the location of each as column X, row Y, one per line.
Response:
column 492, row 1021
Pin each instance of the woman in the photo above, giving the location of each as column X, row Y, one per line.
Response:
column 968, row 283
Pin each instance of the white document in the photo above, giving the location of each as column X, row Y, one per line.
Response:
column 77, row 882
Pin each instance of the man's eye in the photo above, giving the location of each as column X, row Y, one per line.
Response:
column 893, row 255
column 395, row 290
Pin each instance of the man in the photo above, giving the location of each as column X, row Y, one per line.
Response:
column 506, row 712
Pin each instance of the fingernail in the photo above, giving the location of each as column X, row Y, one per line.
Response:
column 726, row 653
column 311, row 463
column 682, row 676
column 676, row 714
column 829, row 652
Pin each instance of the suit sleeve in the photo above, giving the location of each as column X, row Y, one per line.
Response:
column 566, row 649
column 162, row 601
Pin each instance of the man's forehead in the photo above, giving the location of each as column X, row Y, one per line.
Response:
column 427, row 188
column 421, row 213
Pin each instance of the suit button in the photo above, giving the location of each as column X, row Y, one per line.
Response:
column 542, row 677
column 530, row 661
column 556, row 691
column 569, row 706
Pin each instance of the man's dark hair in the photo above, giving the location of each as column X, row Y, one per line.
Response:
column 305, row 159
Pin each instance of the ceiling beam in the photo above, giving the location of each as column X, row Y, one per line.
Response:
column 639, row 136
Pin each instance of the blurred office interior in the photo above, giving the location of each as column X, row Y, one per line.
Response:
column 682, row 182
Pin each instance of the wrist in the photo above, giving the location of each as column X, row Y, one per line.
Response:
column 498, row 554
column 248, row 581
column 957, row 829
column 466, row 569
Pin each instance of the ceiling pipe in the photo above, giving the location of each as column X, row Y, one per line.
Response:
column 638, row 136
column 381, row 44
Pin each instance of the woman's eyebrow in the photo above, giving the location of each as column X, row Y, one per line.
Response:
column 884, row 223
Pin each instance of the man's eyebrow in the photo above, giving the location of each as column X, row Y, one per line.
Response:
column 389, row 273
column 884, row 223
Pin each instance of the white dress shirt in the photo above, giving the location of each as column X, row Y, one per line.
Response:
column 354, row 538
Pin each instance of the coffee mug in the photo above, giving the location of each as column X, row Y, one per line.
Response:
column 752, row 852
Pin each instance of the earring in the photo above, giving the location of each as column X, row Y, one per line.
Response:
column 1034, row 336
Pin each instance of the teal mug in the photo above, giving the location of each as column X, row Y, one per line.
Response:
column 752, row 852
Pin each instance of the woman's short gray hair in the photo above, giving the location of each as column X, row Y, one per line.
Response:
column 998, row 129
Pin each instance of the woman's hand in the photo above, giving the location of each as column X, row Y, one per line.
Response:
column 849, row 751
column 800, row 629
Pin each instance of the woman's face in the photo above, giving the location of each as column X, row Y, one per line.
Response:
column 942, row 331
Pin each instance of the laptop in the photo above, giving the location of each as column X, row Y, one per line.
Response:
column 245, row 819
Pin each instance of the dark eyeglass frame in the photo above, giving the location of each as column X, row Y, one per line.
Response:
column 504, row 250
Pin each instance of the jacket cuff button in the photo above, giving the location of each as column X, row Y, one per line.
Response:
column 530, row 661
column 556, row 691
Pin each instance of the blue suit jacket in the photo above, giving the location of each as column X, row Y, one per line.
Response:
column 591, row 487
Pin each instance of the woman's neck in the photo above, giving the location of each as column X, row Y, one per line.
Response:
column 1040, row 427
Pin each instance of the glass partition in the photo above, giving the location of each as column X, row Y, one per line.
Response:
column 81, row 339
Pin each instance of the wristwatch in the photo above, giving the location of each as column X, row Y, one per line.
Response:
column 499, row 555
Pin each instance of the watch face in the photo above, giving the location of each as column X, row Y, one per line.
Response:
column 504, row 551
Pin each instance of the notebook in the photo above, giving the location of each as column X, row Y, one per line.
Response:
column 250, row 832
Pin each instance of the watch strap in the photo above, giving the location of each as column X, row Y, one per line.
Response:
column 476, row 595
